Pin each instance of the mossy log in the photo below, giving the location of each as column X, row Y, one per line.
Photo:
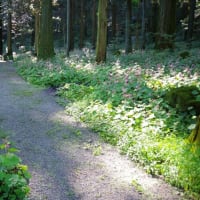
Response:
column 194, row 137
column 184, row 97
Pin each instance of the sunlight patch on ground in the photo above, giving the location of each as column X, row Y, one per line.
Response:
column 119, row 168
column 64, row 119
column 124, row 171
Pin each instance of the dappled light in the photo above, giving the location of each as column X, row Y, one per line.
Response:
column 126, row 104
column 102, row 99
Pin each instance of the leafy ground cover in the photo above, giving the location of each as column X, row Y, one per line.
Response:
column 124, row 101
column 14, row 176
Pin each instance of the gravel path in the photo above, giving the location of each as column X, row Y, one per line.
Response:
column 66, row 160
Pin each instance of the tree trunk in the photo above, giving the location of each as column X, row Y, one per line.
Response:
column 128, row 40
column 37, row 25
column 9, row 31
column 33, row 32
column 37, row 22
column 167, row 24
column 45, row 44
column 191, row 20
column 82, row 24
column 154, row 19
column 1, row 30
column 148, row 14
column 72, row 4
column 101, row 31
column 68, row 28
column 114, row 19
column 94, row 23
column 195, row 135
column 143, row 24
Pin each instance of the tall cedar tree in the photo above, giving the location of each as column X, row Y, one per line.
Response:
column 128, row 41
column 45, row 43
column 167, row 24
column 9, row 31
column 101, row 31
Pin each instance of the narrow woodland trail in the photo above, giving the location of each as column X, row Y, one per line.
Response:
column 66, row 160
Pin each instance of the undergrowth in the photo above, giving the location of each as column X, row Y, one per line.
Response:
column 14, row 177
column 123, row 101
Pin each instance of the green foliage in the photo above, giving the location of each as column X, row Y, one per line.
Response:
column 14, row 176
column 74, row 91
column 123, row 100
column 49, row 73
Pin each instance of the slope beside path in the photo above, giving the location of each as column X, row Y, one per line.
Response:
column 65, row 159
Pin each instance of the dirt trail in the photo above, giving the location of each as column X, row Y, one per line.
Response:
column 66, row 160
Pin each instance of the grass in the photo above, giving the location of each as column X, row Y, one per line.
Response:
column 123, row 100
column 137, row 186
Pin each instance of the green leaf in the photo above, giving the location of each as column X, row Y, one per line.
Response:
column 195, row 92
column 9, row 160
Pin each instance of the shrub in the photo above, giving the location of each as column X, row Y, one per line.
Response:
column 14, row 176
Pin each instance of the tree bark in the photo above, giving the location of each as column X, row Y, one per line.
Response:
column 9, row 31
column 101, row 32
column 128, row 40
column 45, row 44
column 94, row 23
column 167, row 25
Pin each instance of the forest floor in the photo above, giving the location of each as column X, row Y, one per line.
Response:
column 67, row 160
